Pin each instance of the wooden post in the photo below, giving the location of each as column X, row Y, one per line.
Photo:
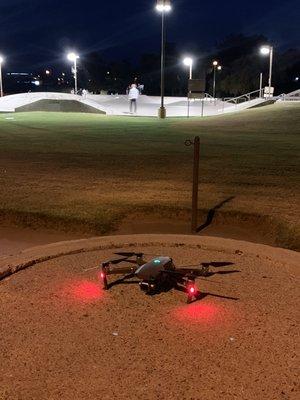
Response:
column 196, row 144
column 195, row 184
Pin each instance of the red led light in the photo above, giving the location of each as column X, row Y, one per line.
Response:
column 207, row 314
column 192, row 290
column 83, row 291
column 102, row 275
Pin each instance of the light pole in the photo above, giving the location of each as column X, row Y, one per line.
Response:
column 215, row 67
column 260, row 84
column 74, row 57
column 268, row 50
column 1, row 82
column 163, row 6
column 188, row 61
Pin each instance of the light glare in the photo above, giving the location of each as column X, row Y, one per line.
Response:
column 265, row 50
column 188, row 61
column 1, row 59
column 163, row 7
column 72, row 56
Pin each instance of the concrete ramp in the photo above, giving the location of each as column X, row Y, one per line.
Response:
column 59, row 106
column 119, row 105
column 62, row 102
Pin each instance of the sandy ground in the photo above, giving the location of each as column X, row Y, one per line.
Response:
column 15, row 239
column 63, row 337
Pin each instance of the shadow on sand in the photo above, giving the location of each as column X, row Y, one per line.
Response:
column 212, row 212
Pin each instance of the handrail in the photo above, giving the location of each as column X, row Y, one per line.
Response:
column 290, row 96
column 207, row 95
column 246, row 96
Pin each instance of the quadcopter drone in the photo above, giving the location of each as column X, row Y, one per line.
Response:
column 157, row 275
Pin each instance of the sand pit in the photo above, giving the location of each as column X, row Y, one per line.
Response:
column 63, row 337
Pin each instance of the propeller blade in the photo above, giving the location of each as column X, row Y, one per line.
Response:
column 129, row 254
column 227, row 272
column 119, row 260
column 217, row 264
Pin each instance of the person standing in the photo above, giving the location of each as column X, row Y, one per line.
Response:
column 133, row 96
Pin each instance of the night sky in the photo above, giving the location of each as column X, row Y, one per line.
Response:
column 37, row 33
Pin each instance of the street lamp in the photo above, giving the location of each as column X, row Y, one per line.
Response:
column 163, row 6
column 74, row 57
column 188, row 61
column 216, row 67
column 265, row 51
column 1, row 82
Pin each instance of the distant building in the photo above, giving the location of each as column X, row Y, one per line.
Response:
column 19, row 82
column 45, row 81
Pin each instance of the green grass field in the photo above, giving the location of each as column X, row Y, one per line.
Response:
column 89, row 171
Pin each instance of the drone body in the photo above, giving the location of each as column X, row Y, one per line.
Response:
column 157, row 275
column 152, row 269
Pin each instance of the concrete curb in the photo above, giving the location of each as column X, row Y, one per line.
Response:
column 27, row 258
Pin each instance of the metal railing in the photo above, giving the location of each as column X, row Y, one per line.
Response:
column 293, row 96
column 244, row 97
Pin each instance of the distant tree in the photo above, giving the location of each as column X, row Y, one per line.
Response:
column 242, row 65
column 286, row 70
column 149, row 69
column 93, row 72
column 238, row 55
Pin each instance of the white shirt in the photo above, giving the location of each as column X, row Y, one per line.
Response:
column 133, row 94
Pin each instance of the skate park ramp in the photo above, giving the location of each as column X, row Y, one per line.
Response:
column 59, row 106
column 176, row 106
column 46, row 101
column 119, row 105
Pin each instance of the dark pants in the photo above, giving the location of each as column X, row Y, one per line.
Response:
column 133, row 105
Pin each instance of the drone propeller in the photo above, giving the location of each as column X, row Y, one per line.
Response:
column 226, row 272
column 128, row 254
column 206, row 265
column 217, row 264
column 116, row 261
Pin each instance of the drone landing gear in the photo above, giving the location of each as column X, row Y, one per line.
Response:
column 103, row 275
column 192, row 291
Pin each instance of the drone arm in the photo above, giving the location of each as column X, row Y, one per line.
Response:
column 109, row 269
column 203, row 270
column 120, row 270
column 186, row 278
